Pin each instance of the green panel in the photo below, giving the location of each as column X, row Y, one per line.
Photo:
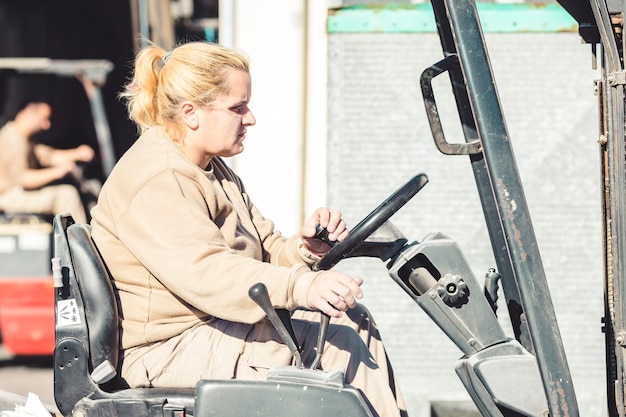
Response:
column 417, row 18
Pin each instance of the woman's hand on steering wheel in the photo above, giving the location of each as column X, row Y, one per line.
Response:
column 331, row 221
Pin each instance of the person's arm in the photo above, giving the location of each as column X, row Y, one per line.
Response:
column 210, row 265
column 331, row 291
column 210, row 259
column 37, row 178
column 48, row 156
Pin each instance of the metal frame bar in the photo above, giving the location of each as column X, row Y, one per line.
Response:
column 611, row 104
column 502, row 197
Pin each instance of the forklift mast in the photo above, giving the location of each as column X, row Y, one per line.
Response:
column 601, row 23
column 488, row 146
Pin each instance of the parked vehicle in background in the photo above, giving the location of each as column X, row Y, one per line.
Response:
column 26, row 289
column 26, row 297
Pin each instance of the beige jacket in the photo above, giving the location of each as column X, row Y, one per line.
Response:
column 184, row 245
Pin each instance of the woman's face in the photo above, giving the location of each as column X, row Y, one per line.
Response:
column 221, row 127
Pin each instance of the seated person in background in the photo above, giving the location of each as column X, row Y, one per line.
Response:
column 27, row 190
column 184, row 243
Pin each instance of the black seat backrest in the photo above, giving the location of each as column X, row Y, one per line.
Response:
column 89, row 281
column 98, row 298
column 87, row 337
column 86, row 309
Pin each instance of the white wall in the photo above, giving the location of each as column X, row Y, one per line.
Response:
column 286, row 43
column 379, row 137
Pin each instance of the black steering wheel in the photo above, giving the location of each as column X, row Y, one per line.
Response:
column 358, row 234
column 371, row 222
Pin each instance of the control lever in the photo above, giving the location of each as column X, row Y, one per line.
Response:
column 258, row 293
column 492, row 281
column 322, row 234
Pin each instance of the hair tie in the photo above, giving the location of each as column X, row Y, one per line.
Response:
column 166, row 56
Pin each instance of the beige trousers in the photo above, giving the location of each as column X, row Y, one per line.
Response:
column 53, row 199
column 225, row 350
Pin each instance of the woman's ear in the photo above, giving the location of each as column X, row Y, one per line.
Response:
column 188, row 114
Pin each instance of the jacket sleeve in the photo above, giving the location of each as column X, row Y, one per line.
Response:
column 206, row 264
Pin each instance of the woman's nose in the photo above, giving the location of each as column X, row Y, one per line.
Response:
column 249, row 119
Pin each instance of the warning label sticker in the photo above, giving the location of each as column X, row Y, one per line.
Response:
column 67, row 313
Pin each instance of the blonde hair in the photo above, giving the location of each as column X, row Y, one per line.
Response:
column 195, row 71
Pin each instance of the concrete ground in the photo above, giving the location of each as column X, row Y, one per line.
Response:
column 22, row 375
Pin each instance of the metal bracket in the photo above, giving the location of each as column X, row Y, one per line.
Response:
column 616, row 78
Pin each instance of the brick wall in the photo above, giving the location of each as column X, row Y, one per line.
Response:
column 378, row 138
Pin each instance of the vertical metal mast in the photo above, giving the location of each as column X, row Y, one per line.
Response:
column 514, row 241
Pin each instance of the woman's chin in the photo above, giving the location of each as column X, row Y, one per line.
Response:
column 233, row 152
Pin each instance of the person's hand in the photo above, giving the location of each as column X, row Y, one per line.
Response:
column 64, row 168
column 83, row 153
column 330, row 220
column 333, row 292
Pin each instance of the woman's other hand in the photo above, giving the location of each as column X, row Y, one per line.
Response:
column 333, row 292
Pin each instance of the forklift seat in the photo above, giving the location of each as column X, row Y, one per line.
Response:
column 86, row 353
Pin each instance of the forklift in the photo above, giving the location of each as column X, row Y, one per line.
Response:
column 433, row 271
